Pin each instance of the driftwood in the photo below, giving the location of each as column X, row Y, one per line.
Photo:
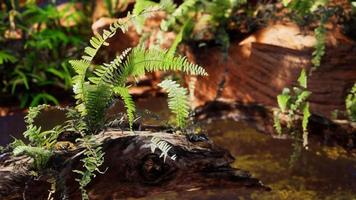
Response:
column 132, row 169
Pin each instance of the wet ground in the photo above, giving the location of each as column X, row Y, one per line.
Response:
column 322, row 172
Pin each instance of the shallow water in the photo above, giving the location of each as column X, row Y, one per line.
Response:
column 319, row 173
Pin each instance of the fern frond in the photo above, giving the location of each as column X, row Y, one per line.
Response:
column 81, row 66
column 319, row 51
column 6, row 57
column 165, row 147
column 113, row 73
column 97, row 99
column 33, row 112
column 350, row 103
column 177, row 101
column 129, row 103
column 141, row 60
column 94, row 158
column 39, row 155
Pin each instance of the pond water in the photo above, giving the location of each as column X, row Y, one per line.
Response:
column 320, row 173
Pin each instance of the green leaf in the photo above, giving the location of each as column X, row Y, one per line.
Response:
column 306, row 115
column 350, row 103
column 44, row 97
column 177, row 101
column 277, row 124
column 128, row 101
column 6, row 57
column 303, row 79
column 56, row 72
column 283, row 100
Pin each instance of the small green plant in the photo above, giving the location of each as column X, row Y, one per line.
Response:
column 351, row 103
column 95, row 88
column 94, row 158
column 292, row 103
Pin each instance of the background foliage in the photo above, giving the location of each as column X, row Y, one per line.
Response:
column 36, row 41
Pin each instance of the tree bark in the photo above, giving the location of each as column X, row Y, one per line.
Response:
column 132, row 169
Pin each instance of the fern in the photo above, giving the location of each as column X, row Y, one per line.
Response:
column 34, row 134
column 351, row 103
column 165, row 147
column 113, row 73
column 96, row 100
column 94, row 158
column 123, row 92
column 292, row 103
column 129, row 103
column 318, row 53
column 177, row 101
column 81, row 66
column 6, row 57
column 39, row 155
column 96, row 91
column 141, row 60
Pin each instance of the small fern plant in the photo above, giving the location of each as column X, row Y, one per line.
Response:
column 351, row 104
column 95, row 88
column 292, row 103
column 94, row 93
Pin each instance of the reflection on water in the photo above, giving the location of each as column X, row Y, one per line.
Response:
column 320, row 173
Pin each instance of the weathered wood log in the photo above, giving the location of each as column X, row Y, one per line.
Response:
column 257, row 69
column 132, row 169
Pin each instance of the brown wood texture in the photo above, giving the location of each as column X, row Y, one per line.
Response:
column 132, row 170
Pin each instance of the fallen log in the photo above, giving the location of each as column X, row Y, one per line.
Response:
column 132, row 169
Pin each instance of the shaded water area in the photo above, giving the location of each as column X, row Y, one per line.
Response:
column 322, row 172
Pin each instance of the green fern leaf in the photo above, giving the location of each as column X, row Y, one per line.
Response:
column 177, row 101
column 141, row 60
column 129, row 103
column 306, row 115
column 40, row 155
column 97, row 99
column 6, row 57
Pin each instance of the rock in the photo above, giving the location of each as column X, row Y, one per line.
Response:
column 132, row 169
column 256, row 70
